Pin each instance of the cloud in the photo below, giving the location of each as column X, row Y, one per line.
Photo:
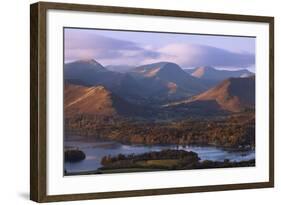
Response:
column 86, row 44
column 110, row 51
column 190, row 55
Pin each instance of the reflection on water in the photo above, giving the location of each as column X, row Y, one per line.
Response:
column 96, row 150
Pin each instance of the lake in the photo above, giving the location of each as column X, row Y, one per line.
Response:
column 96, row 150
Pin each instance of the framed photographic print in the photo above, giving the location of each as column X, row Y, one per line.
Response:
column 134, row 102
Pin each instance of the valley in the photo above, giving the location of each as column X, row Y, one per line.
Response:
column 160, row 104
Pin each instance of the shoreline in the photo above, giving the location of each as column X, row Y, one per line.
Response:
column 134, row 170
column 111, row 142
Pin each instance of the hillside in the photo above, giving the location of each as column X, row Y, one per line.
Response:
column 95, row 100
column 233, row 94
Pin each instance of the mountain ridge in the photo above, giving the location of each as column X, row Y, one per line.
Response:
column 96, row 100
column 161, row 82
column 233, row 94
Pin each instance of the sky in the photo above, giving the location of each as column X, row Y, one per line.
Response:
column 110, row 47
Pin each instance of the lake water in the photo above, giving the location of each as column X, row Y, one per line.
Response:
column 96, row 150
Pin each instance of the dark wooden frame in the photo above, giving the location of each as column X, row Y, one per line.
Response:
column 38, row 173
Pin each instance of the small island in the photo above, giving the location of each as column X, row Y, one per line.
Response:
column 74, row 155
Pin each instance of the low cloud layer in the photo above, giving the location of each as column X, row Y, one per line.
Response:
column 110, row 51
column 189, row 55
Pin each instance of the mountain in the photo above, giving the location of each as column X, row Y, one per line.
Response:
column 91, row 73
column 233, row 94
column 157, row 83
column 96, row 100
column 211, row 76
column 80, row 69
column 169, row 76
column 149, row 84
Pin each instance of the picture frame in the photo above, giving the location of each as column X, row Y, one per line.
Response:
column 40, row 78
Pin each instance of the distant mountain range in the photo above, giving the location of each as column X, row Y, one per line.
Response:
column 211, row 76
column 91, row 88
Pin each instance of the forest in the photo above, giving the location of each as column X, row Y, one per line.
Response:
column 236, row 130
